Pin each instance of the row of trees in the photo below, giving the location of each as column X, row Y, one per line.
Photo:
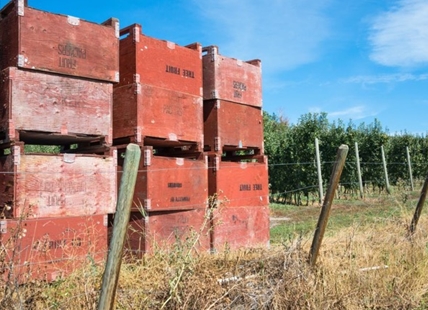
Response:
column 291, row 151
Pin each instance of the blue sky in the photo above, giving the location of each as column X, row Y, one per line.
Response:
column 356, row 60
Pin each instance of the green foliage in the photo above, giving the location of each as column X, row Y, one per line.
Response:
column 292, row 160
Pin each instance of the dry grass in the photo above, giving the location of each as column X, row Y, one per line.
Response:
column 370, row 266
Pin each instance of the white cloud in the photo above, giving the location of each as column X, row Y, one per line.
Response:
column 283, row 34
column 399, row 37
column 385, row 78
column 355, row 112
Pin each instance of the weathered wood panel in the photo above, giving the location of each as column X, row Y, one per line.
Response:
column 161, row 230
column 39, row 40
column 49, row 248
column 160, row 63
column 231, row 79
column 239, row 184
column 170, row 183
column 35, row 101
column 229, row 125
column 235, row 228
column 37, row 186
column 141, row 110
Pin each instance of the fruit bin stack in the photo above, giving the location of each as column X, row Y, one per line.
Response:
column 56, row 89
column 233, row 141
column 158, row 105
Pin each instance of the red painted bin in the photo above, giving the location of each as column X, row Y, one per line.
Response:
column 160, row 89
column 169, row 183
column 240, row 227
column 240, row 183
column 232, row 126
column 231, row 79
column 185, row 229
column 48, row 248
column 143, row 111
column 159, row 63
column 38, row 40
column 42, row 108
column 55, row 185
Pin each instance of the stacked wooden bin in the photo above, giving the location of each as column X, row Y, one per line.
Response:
column 233, row 136
column 89, row 90
column 158, row 105
column 56, row 89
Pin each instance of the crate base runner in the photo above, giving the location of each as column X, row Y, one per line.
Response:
column 42, row 108
column 49, row 248
column 52, row 185
column 241, row 227
column 169, row 183
column 163, row 231
column 243, row 182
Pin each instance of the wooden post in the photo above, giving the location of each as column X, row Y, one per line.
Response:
column 121, row 219
column 385, row 170
column 360, row 180
column 317, row 152
column 419, row 207
column 409, row 164
column 325, row 211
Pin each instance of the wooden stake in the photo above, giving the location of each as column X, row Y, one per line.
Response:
column 121, row 219
column 325, row 211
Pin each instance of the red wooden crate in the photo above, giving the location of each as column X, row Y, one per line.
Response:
column 56, row 109
column 163, row 230
column 169, row 183
column 39, row 40
column 141, row 111
column 48, row 185
column 48, row 248
column 229, row 125
column 160, row 63
column 238, row 184
column 231, row 79
column 234, row 228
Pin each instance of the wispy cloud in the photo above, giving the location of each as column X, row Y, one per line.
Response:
column 283, row 34
column 356, row 112
column 385, row 78
column 399, row 37
column 353, row 112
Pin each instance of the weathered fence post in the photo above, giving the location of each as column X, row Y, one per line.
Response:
column 409, row 164
column 121, row 219
column 325, row 211
column 360, row 180
column 419, row 207
column 317, row 151
column 385, row 170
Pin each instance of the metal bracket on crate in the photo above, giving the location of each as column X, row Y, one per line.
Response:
column 137, row 134
column 136, row 34
column 216, row 163
column 20, row 60
column 3, row 227
column 69, row 158
column 147, row 157
column 137, row 88
column 214, row 94
column 16, row 154
column 75, row 21
column 21, row 5
column 217, row 144
column 147, row 204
